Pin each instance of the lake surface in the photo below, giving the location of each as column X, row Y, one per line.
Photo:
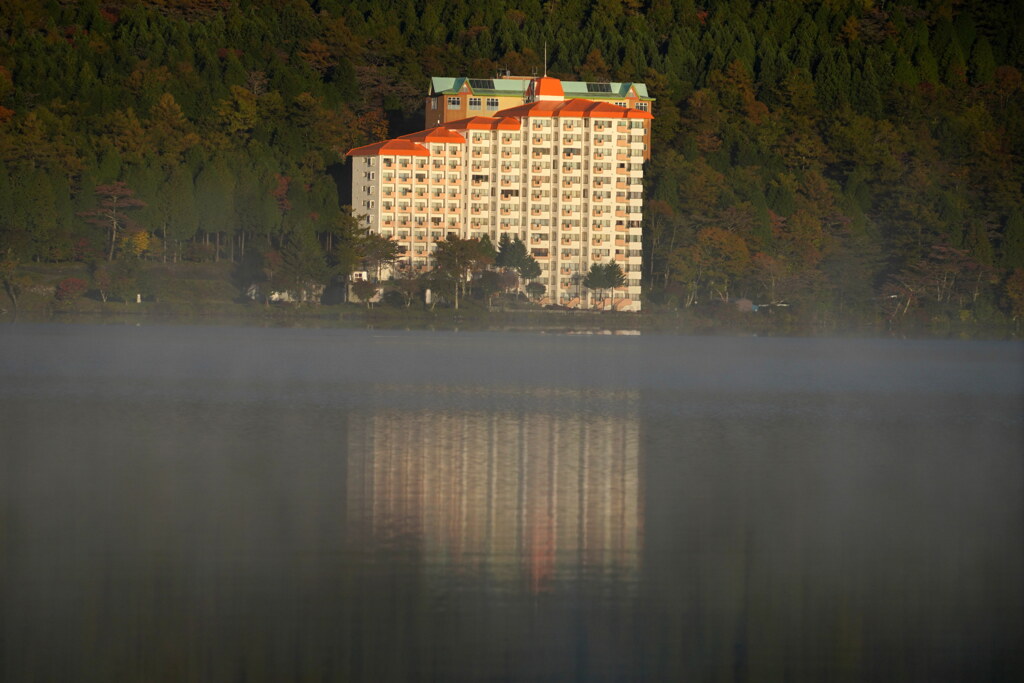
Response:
column 242, row 504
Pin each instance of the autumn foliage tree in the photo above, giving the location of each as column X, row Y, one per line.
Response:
column 115, row 200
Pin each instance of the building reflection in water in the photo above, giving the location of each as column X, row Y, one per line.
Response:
column 524, row 498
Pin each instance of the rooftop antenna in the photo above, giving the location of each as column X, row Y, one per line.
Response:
column 545, row 59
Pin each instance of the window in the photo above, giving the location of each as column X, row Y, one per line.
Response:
column 474, row 103
column 492, row 103
column 454, row 103
column 620, row 104
column 642, row 106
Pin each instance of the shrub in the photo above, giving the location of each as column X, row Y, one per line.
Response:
column 69, row 289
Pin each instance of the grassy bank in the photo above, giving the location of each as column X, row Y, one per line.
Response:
column 206, row 294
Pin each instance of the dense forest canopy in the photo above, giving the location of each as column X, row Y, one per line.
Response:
column 845, row 155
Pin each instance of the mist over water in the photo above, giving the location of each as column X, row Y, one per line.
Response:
column 252, row 504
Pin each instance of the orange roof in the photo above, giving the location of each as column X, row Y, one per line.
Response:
column 546, row 86
column 604, row 110
column 576, row 108
column 484, row 123
column 637, row 114
column 437, row 134
column 532, row 109
column 397, row 147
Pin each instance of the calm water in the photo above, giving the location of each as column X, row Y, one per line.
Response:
column 228, row 504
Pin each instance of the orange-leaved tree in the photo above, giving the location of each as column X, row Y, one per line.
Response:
column 115, row 200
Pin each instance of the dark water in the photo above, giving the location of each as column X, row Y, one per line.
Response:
column 228, row 504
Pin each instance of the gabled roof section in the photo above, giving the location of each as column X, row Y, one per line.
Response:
column 546, row 88
column 436, row 134
column 603, row 110
column 445, row 85
column 637, row 114
column 604, row 91
column 535, row 109
column 395, row 147
column 575, row 107
column 484, row 123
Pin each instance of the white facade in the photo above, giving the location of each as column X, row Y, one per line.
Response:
column 566, row 177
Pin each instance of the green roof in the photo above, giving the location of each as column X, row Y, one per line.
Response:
column 446, row 85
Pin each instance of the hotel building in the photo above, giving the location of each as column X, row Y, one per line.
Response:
column 563, row 173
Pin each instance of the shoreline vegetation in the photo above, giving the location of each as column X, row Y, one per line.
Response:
column 855, row 167
column 205, row 295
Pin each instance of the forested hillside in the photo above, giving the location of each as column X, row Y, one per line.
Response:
column 847, row 157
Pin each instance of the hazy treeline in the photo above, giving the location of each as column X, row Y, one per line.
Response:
column 846, row 156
